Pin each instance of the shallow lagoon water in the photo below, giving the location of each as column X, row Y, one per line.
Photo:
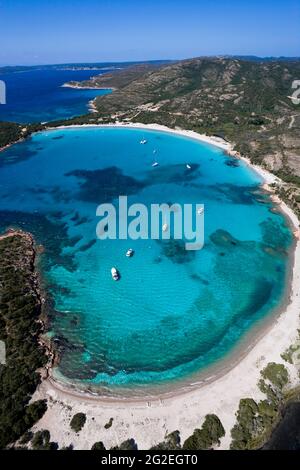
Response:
column 173, row 313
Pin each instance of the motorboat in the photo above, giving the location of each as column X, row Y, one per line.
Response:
column 130, row 253
column 143, row 141
column 115, row 274
column 155, row 164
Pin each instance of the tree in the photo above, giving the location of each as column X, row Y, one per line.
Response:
column 209, row 435
column 98, row 446
column 41, row 441
column 78, row 421
column 129, row 444
column 35, row 411
column 171, row 442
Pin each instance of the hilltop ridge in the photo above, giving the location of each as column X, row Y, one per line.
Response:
column 243, row 101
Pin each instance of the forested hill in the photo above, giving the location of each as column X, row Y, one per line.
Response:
column 243, row 101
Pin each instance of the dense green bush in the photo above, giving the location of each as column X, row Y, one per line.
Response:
column 209, row 435
column 277, row 374
column 78, row 421
column 69, row 447
column 109, row 424
column 26, row 437
column 274, row 378
column 41, row 441
column 130, row 444
column 98, row 446
column 171, row 442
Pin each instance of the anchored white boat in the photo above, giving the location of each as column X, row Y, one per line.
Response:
column 188, row 166
column 130, row 253
column 200, row 211
column 115, row 274
column 165, row 227
column 155, row 164
column 143, row 141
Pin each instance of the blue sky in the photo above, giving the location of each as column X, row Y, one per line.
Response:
column 58, row 31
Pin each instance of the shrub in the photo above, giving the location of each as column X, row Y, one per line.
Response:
column 130, row 444
column 209, row 435
column 26, row 437
column 35, row 411
column 41, row 441
column 275, row 377
column 171, row 442
column 78, row 421
column 98, row 446
column 69, row 447
column 277, row 374
column 109, row 424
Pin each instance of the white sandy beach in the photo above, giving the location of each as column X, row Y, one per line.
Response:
column 149, row 421
column 79, row 87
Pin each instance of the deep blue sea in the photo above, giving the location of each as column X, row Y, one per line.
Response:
column 36, row 95
column 173, row 312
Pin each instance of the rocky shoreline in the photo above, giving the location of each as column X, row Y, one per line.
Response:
column 34, row 281
column 22, row 326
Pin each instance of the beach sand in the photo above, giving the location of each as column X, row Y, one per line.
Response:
column 149, row 420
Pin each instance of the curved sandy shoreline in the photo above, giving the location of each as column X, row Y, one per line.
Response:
column 148, row 420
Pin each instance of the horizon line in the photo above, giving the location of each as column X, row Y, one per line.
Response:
column 153, row 60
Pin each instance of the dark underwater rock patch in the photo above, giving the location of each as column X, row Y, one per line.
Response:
column 198, row 278
column 58, row 137
column 58, row 289
column 275, row 236
column 12, row 155
column 63, row 344
column 78, row 219
column 72, row 367
column 232, row 162
column 259, row 298
column 105, row 185
column 223, row 238
column 175, row 251
column 236, row 194
column 176, row 174
column 57, row 193
column 74, row 240
column 87, row 245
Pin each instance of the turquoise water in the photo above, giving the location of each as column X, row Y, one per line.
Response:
column 173, row 312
